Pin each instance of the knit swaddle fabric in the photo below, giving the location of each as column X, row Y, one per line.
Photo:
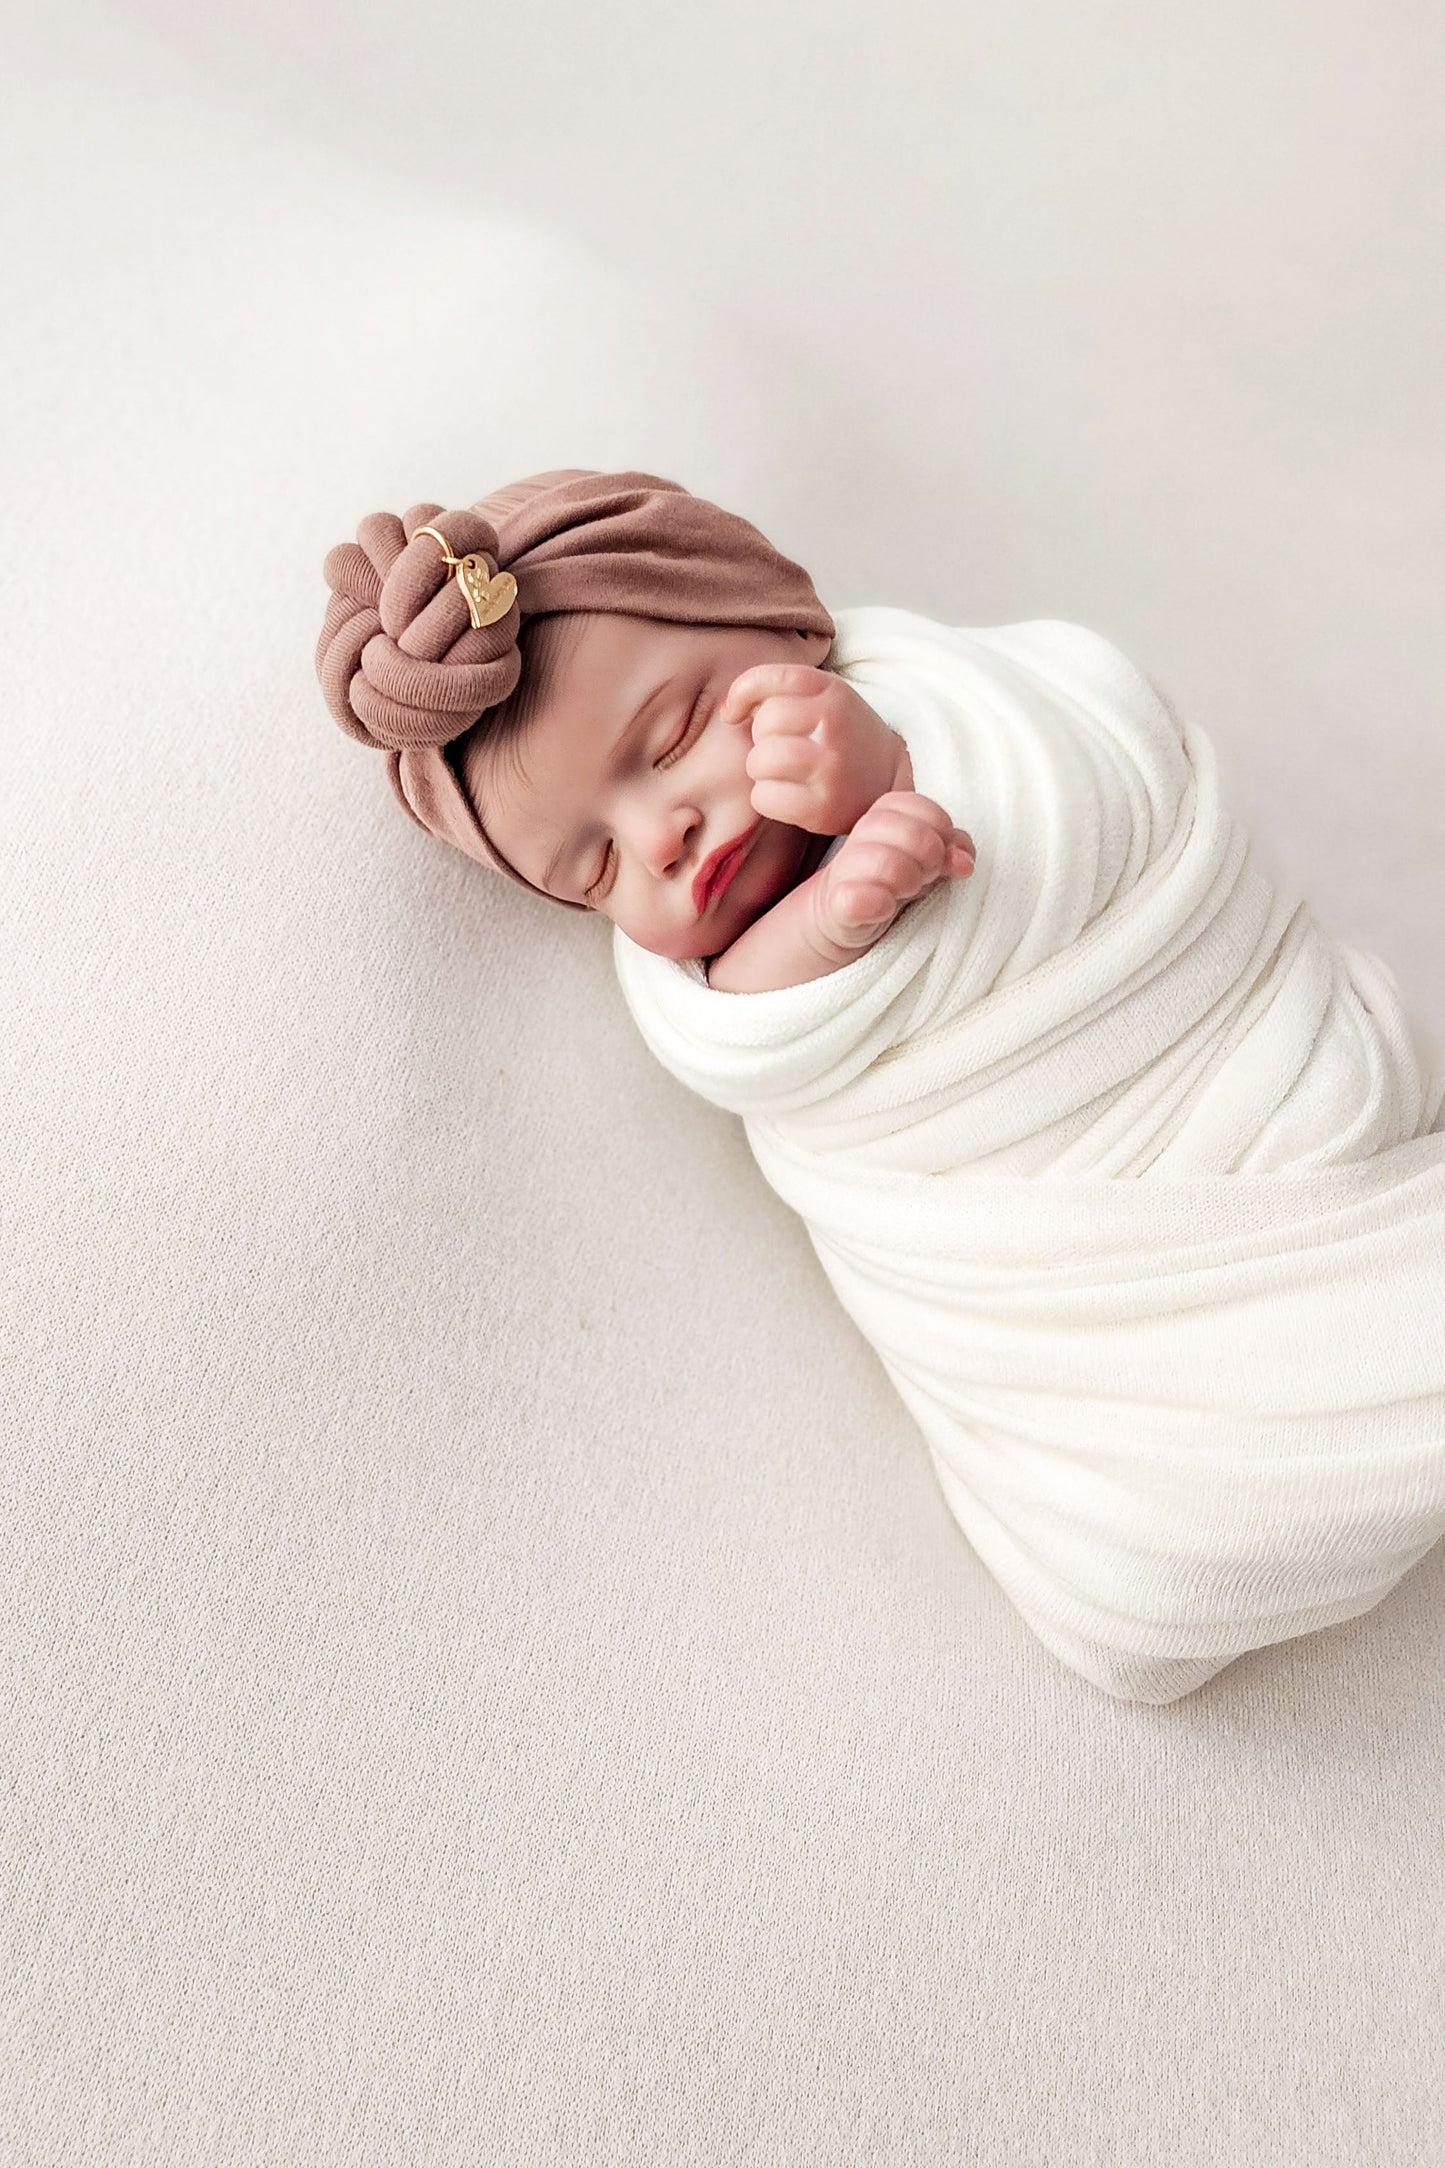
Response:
column 1127, row 1170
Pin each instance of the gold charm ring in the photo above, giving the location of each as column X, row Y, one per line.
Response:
column 489, row 595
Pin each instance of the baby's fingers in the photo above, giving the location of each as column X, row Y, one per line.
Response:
column 863, row 904
column 779, row 801
column 920, row 826
column 910, row 805
column 889, row 828
column 782, row 760
column 787, row 683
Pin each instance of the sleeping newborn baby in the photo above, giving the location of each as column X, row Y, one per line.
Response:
column 711, row 795
column 1128, row 1172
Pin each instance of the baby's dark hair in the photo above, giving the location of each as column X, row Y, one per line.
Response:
column 543, row 644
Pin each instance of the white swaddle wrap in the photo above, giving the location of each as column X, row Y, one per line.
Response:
column 1125, row 1168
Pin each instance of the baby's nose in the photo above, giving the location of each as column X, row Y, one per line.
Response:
column 669, row 841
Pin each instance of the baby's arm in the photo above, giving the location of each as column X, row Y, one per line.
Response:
column 821, row 759
column 902, row 845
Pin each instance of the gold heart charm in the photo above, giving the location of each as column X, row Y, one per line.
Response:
column 489, row 595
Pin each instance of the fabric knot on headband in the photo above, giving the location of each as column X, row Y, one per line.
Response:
column 400, row 660
column 421, row 631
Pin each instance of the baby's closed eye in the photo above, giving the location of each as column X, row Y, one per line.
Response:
column 678, row 743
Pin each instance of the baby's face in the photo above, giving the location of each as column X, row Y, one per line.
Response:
column 621, row 787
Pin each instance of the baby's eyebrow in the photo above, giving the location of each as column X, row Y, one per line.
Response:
column 624, row 741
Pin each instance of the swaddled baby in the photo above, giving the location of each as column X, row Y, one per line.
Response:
column 1128, row 1173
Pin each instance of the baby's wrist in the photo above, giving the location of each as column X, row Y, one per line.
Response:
column 886, row 767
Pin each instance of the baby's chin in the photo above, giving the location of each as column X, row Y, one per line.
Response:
column 709, row 937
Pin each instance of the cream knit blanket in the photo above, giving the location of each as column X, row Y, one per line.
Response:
column 1125, row 1168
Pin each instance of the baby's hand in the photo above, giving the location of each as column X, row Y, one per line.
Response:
column 903, row 844
column 820, row 755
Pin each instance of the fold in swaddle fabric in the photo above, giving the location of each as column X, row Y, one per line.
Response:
column 1125, row 1168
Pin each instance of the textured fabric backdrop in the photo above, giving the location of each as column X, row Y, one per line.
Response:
column 488, row 1675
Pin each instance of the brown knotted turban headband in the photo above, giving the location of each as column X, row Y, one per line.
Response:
column 404, row 668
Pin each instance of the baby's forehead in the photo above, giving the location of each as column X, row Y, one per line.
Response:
column 583, row 677
column 588, row 661
column 585, row 673
column 588, row 679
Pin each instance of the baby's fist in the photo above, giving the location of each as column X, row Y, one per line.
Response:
column 902, row 845
column 820, row 755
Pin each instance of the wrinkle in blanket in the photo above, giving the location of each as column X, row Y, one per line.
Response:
column 1132, row 1176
